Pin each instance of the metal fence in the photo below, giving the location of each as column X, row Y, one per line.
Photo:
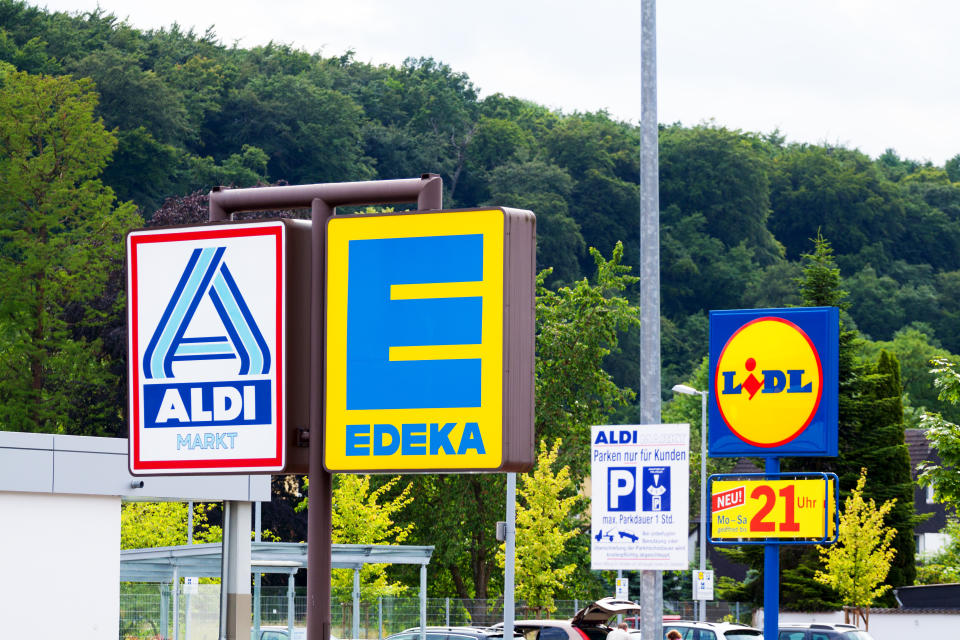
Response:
column 146, row 612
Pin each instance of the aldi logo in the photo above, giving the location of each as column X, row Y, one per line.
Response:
column 207, row 348
column 417, row 366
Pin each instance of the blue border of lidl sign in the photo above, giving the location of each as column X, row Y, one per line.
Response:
column 818, row 434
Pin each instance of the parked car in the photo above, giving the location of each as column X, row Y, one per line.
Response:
column 275, row 632
column 690, row 630
column 590, row 623
column 451, row 633
column 821, row 631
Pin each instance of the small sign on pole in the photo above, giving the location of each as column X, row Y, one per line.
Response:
column 623, row 589
column 703, row 584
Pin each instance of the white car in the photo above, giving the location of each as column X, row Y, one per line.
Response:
column 821, row 631
column 690, row 630
column 282, row 633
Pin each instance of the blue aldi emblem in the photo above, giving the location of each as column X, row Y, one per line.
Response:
column 206, row 348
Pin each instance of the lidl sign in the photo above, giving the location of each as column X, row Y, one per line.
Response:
column 207, row 355
column 429, row 341
column 774, row 375
column 755, row 508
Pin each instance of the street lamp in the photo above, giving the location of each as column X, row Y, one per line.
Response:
column 690, row 391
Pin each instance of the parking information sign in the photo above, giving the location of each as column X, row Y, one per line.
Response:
column 206, row 348
column 640, row 477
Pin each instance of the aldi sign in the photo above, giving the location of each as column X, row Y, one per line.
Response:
column 429, row 341
column 774, row 377
column 207, row 348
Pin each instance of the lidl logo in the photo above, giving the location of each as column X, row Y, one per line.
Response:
column 770, row 402
column 770, row 377
column 206, row 348
column 415, row 364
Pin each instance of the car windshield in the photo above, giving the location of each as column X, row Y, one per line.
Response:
column 856, row 635
column 744, row 634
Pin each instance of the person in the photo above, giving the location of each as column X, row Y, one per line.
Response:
column 620, row 633
column 673, row 634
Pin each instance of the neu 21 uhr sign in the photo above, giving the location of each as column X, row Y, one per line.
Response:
column 640, row 486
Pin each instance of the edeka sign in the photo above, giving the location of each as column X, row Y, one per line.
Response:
column 429, row 348
column 774, row 382
column 206, row 348
column 639, row 496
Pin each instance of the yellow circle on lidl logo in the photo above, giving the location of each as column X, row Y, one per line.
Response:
column 768, row 381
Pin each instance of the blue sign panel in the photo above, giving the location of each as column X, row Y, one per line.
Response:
column 773, row 382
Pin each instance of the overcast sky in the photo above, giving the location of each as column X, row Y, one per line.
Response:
column 867, row 74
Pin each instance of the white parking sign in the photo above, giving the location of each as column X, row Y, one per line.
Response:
column 640, row 481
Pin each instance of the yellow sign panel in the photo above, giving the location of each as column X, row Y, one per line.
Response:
column 783, row 508
column 416, row 366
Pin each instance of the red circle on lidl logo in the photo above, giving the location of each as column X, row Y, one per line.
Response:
column 768, row 382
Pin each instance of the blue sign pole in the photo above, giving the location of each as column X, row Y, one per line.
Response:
column 771, row 577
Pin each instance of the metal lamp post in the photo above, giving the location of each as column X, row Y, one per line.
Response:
column 690, row 391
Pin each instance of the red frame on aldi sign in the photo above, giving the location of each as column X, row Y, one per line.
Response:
column 207, row 350
column 773, row 382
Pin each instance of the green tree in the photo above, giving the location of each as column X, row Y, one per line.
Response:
column 915, row 349
column 164, row 524
column 683, row 408
column 544, row 525
column 366, row 515
column 944, row 435
column 857, row 565
column 544, row 189
column 61, row 239
column 577, row 328
column 722, row 176
column 870, row 423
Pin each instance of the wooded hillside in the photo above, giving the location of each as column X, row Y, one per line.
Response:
column 738, row 208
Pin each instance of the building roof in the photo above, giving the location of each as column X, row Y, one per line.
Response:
column 203, row 560
column 920, row 449
column 48, row 463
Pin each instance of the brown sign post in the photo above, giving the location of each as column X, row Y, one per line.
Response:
column 507, row 402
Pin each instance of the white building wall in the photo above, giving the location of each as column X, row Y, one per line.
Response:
column 888, row 626
column 61, row 566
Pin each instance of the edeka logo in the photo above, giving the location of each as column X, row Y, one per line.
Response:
column 768, row 375
column 206, row 280
column 415, row 324
column 427, row 353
